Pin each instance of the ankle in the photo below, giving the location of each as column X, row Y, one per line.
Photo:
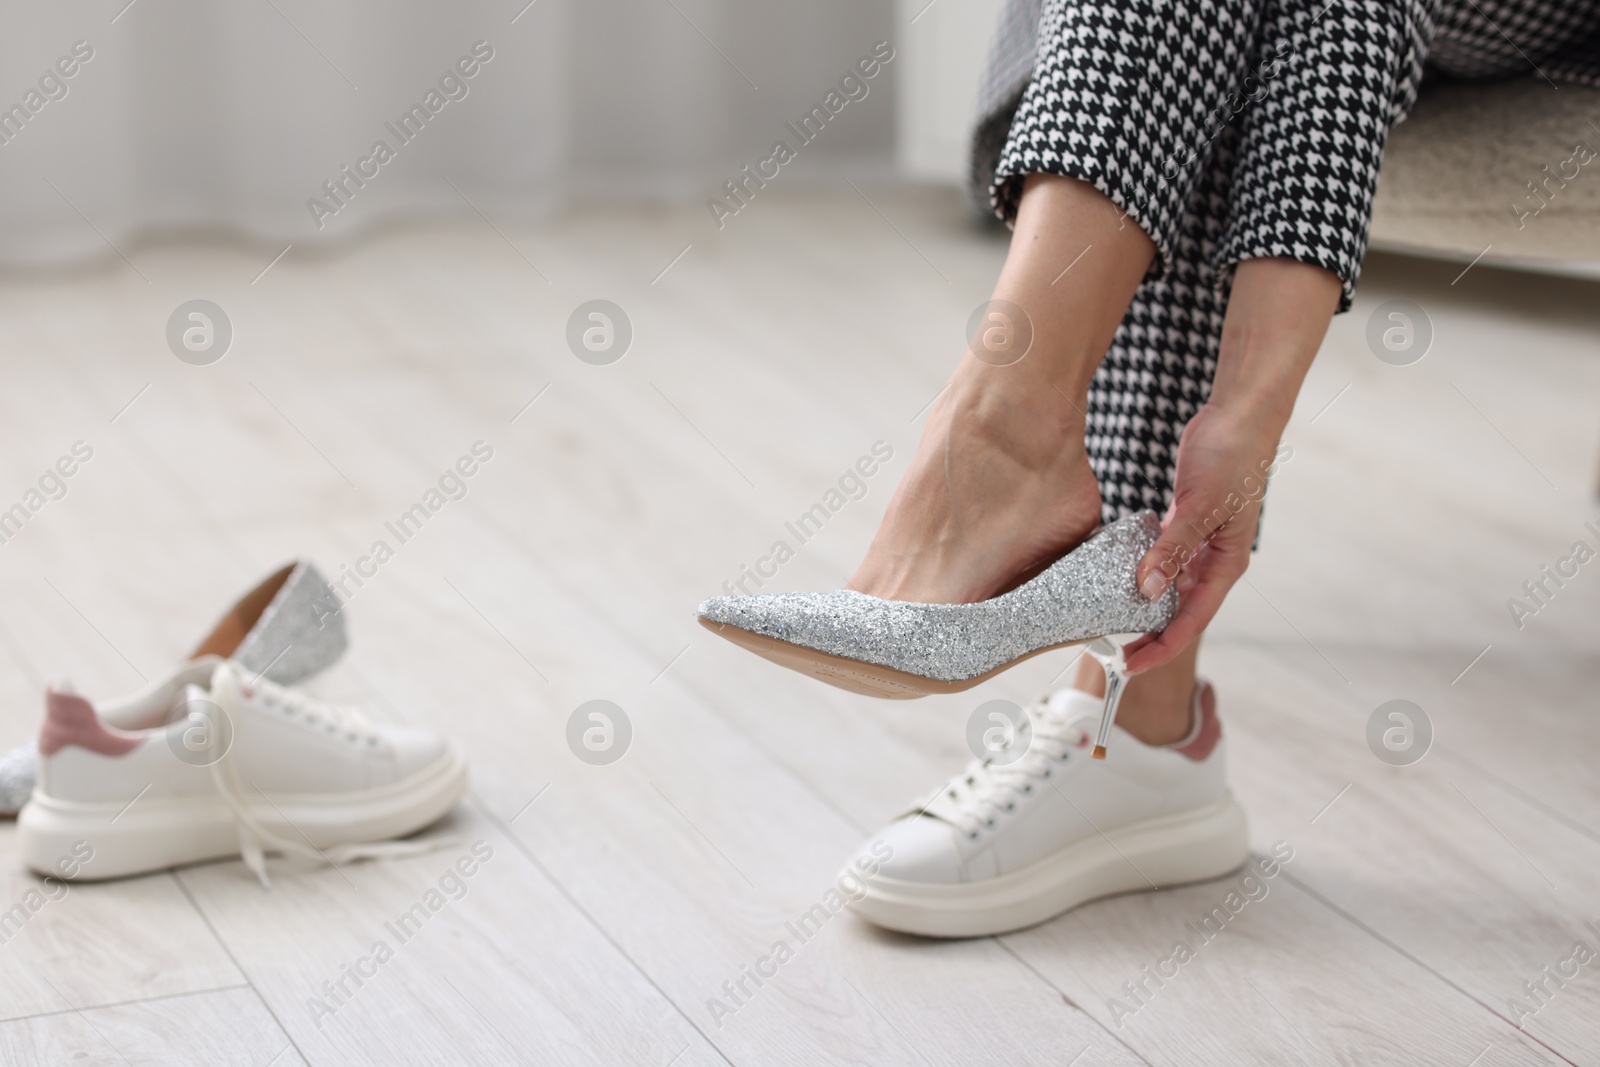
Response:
column 1157, row 722
column 1032, row 426
column 1156, row 708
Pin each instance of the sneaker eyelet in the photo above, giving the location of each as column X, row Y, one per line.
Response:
column 1027, row 790
column 973, row 836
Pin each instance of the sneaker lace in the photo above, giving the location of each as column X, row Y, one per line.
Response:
column 975, row 799
column 335, row 718
column 255, row 837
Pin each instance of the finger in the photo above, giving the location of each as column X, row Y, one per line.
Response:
column 1137, row 643
column 1162, row 565
column 1188, row 578
column 1195, row 612
column 1173, row 640
column 1184, row 534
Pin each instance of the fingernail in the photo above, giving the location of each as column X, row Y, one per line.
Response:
column 1154, row 584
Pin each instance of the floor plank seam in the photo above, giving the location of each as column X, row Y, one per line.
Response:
column 999, row 939
column 1487, row 777
column 521, row 846
column 628, row 640
column 282, row 1029
column 1402, row 951
column 127, row 1003
column 1508, row 786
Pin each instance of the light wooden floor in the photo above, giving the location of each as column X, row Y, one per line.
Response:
column 620, row 898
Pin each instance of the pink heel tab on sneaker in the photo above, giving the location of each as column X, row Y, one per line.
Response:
column 1207, row 728
column 70, row 720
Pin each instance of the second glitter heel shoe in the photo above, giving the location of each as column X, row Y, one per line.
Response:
column 902, row 650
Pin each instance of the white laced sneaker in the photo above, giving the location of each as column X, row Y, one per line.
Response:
column 1008, row 845
column 211, row 763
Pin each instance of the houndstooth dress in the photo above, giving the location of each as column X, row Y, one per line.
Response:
column 1227, row 130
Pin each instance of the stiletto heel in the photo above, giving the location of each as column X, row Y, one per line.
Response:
column 1108, row 652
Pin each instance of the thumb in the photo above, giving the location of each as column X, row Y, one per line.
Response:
column 1182, row 537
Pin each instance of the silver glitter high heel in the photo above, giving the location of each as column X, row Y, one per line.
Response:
column 287, row 628
column 903, row 650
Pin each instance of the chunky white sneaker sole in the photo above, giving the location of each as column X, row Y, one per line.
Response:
column 155, row 834
column 1192, row 846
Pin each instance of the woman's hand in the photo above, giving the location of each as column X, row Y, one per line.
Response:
column 1207, row 533
column 1277, row 314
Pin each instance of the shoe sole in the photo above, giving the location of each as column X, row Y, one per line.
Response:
column 1172, row 850
column 155, row 834
column 857, row 675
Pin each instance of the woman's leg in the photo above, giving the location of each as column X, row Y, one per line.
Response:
column 1121, row 90
column 1000, row 481
column 1102, row 155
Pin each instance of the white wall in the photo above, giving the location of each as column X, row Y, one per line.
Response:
column 945, row 46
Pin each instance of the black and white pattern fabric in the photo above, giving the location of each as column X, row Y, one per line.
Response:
column 1131, row 96
column 1159, row 368
column 1578, row 64
column 1227, row 130
column 1504, row 38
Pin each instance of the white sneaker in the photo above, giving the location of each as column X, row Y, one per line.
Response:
column 208, row 764
column 1006, row 846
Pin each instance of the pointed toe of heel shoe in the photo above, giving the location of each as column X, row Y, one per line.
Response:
column 858, row 676
column 903, row 650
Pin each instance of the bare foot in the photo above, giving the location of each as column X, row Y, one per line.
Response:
column 1001, row 485
column 999, row 488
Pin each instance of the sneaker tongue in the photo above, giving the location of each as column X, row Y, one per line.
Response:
column 1072, row 707
column 943, row 807
column 226, row 685
column 187, row 699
